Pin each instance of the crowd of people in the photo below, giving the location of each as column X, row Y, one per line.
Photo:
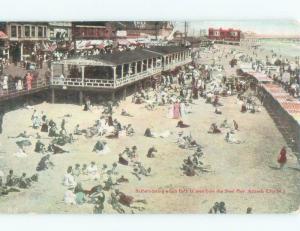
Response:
column 177, row 92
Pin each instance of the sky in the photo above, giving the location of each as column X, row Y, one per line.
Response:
column 285, row 27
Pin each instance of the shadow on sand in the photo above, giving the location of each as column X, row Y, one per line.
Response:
column 274, row 167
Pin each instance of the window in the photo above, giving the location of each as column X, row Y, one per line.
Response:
column 216, row 33
column 27, row 31
column 40, row 31
column 33, row 31
column 45, row 32
column 13, row 31
column 19, row 31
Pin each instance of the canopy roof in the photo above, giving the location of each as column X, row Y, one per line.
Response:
column 122, row 57
column 165, row 50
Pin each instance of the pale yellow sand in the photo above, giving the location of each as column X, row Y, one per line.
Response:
column 235, row 166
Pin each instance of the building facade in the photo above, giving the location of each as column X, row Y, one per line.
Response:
column 92, row 30
column 25, row 38
column 224, row 34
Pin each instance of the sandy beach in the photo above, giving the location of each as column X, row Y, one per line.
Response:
column 243, row 175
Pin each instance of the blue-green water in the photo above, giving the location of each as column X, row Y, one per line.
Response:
column 278, row 28
column 285, row 48
column 282, row 27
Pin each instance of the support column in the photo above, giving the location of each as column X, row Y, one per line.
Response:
column 82, row 75
column 114, row 75
column 80, row 98
column 124, row 93
column 21, row 51
column 129, row 69
column 113, row 96
column 136, row 63
column 52, row 95
column 51, row 80
column 147, row 63
column 122, row 67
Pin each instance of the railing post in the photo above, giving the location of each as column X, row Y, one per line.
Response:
column 114, row 75
column 51, row 79
column 82, row 75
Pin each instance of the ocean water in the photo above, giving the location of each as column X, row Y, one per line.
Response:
column 285, row 48
column 284, row 27
column 275, row 27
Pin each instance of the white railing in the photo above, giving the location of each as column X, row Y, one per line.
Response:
column 74, row 82
column 107, row 83
column 137, row 76
column 12, row 91
column 103, row 83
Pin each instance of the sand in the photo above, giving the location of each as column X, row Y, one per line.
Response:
column 243, row 175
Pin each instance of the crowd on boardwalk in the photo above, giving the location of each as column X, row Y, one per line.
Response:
column 178, row 91
column 18, row 76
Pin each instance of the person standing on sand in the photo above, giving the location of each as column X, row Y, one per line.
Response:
column 282, row 157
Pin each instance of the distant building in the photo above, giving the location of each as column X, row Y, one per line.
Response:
column 4, row 45
column 60, row 31
column 25, row 38
column 93, row 30
column 232, row 35
column 159, row 29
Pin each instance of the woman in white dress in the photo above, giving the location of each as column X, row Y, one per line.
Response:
column 69, row 179
column 69, row 197
column 92, row 171
column 19, row 86
column 5, row 83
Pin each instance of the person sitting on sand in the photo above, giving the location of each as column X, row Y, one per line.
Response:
column 214, row 129
column 151, row 151
column 148, row 133
column 92, row 171
column 56, row 149
column 127, row 200
column 139, row 170
column 180, row 124
column 69, row 180
column 44, row 163
column 218, row 111
column 125, row 113
column 243, row 108
column 230, row 139
column 117, row 125
column 122, row 160
column 39, row 147
column 224, row 124
column 114, row 135
column 215, row 208
column 21, row 135
column 77, row 131
column 129, row 130
column 70, row 197
column 53, row 131
column 10, row 178
column 76, row 171
column 84, row 169
column 80, row 194
column 23, row 182
column 99, row 146
column 122, row 179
